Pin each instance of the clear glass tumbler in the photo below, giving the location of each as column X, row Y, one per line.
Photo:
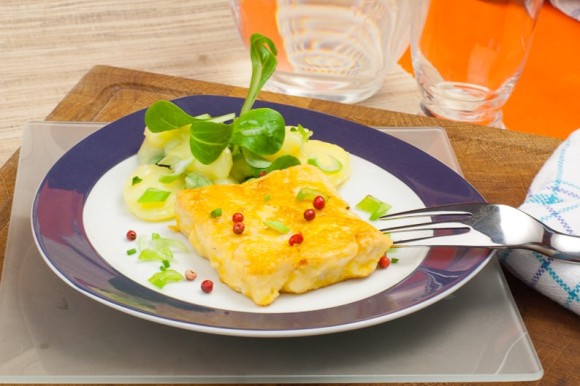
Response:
column 337, row 50
column 468, row 55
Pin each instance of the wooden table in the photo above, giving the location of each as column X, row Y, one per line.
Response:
column 500, row 164
column 47, row 46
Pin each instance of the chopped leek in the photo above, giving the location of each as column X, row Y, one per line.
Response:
column 310, row 194
column 373, row 206
column 152, row 195
column 196, row 180
column 156, row 254
column 161, row 278
column 162, row 243
column 332, row 166
column 277, row 225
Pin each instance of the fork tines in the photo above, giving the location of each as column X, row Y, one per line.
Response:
column 441, row 219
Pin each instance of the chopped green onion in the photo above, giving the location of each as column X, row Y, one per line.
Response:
column 331, row 167
column 216, row 213
column 152, row 195
column 394, row 260
column 160, row 279
column 267, row 197
column 375, row 207
column 277, row 225
column 165, row 265
column 131, row 251
column 310, row 194
column 136, row 180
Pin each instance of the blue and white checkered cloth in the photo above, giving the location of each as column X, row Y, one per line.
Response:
column 554, row 199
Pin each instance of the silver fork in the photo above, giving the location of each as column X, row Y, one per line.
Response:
column 484, row 225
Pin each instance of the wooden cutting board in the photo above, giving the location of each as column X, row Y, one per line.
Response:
column 499, row 164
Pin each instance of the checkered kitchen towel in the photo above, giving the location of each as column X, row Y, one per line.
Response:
column 554, row 199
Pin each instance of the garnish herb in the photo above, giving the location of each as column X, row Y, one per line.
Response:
column 283, row 162
column 304, row 133
column 152, row 195
column 259, row 131
column 277, row 225
column 178, row 169
column 332, row 166
column 161, row 278
column 215, row 213
column 309, row 194
column 156, row 255
column 165, row 265
column 196, row 180
column 261, row 166
column 263, row 54
column 159, row 248
column 136, row 180
column 374, row 207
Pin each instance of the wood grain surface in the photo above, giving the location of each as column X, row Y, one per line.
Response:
column 47, row 46
column 499, row 164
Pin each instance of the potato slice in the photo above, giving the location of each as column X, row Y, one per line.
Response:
column 149, row 178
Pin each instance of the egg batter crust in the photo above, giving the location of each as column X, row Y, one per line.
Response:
column 260, row 262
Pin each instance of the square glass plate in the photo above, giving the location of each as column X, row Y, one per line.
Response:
column 52, row 333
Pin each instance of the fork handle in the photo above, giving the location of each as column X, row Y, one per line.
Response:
column 559, row 246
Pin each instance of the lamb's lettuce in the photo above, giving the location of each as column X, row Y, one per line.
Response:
column 261, row 131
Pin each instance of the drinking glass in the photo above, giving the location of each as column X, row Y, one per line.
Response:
column 468, row 55
column 337, row 50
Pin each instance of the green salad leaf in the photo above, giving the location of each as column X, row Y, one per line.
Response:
column 261, row 131
column 164, row 116
column 207, row 140
column 263, row 54
column 283, row 162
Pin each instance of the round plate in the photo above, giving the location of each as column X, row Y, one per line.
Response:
column 78, row 208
